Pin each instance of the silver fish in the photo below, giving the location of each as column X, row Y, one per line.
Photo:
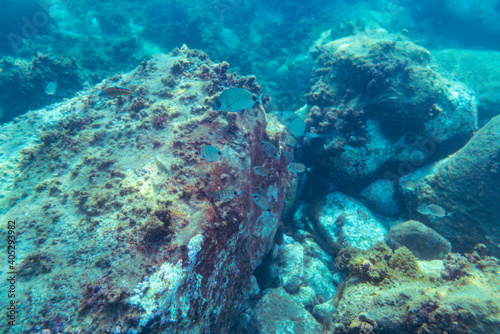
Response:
column 210, row 153
column 261, row 192
column 51, row 88
column 436, row 210
column 262, row 202
column 408, row 185
column 290, row 140
column 270, row 148
column 423, row 209
column 288, row 156
column 161, row 167
column 296, row 167
column 224, row 194
column 236, row 99
column 262, row 171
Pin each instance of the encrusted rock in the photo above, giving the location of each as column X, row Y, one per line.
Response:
column 375, row 99
column 380, row 197
column 419, row 303
column 342, row 219
column 422, row 241
column 277, row 312
column 117, row 197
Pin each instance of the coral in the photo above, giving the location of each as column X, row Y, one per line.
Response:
column 457, row 266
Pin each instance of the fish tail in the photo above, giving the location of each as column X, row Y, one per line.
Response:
column 309, row 170
column 261, row 96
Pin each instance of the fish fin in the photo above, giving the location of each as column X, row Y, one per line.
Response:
column 309, row 170
column 261, row 96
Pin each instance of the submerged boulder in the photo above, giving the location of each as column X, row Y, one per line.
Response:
column 380, row 197
column 422, row 241
column 467, row 186
column 343, row 220
column 114, row 210
column 277, row 312
column 374, row 99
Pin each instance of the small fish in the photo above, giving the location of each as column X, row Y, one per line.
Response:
column 288, row 156
column 270, row 148
column 262, row 171
column 261, row 192
column 116, row 91
column 437, row 210
column 408, row 185
column 224, row 194
column 210, row 153
column 236, row 99
column 296, row 167
column 423, row 209
column 51, row 88
column 262, row 202
column 290, row 140
column 296, row 125
column 161, row 167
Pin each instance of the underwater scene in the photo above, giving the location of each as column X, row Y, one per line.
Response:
column 250, row 166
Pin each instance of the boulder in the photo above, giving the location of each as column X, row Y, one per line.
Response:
column 374, row 99
column 277, row 312
column 380, row 196
column 342, row 219
column 112, row 201
column 422, row 241
column 467, row 186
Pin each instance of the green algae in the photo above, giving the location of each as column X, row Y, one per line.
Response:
column 378, row 263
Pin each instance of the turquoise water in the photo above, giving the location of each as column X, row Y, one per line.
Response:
column 356, row 192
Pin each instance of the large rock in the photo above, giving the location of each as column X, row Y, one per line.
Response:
column 467, row 186
column 304, row 272
column 341, row 219
column 277, row 312
column 375, row 99
column 115, row 224
column 422, row 241
column 380, row 197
